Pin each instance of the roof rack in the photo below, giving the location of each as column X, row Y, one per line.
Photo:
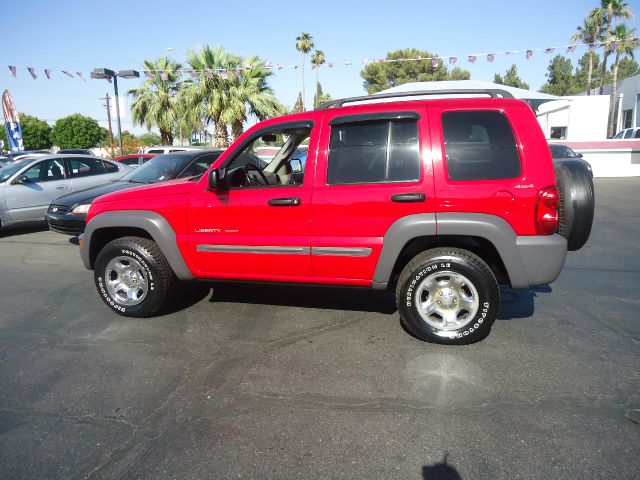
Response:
column 492, row 92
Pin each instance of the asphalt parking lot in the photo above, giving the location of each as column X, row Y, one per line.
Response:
column 255, row 381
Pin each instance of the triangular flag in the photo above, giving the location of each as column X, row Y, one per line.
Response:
column 529, row 54
column 81, row 76
column 68, row 74
column 47, row 72
column 453, row 60
column 12, row 69
column 491, row 57
column 550, row 50
column 32, row 71
column 571, row 48
column 471, row 58
column 434, row 62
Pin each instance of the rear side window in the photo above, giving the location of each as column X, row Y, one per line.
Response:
column 110, row 167
column 479, row 146
column 374, row 152
column 86, row 167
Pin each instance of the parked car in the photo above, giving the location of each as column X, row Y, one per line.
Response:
column 562, row 153
column 170, row 149
column 13, row 156
column 68, row 214
column 79, row 151
column 628, row 133
column 136, row 159
column 439, row 201
column 28, row 186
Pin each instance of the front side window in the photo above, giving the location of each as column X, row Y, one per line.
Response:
column 374, row 152
column 272, row 159
column 479, row 145
column 45, row 171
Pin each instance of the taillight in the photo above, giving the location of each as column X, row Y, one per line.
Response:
column 547, row 211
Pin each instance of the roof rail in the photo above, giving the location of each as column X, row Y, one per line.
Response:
column 492, row 92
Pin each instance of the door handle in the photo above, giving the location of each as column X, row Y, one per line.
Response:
column 285, row 202
column 408, row 197
column 62, row 187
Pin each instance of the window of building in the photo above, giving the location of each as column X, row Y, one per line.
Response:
column 479, row 145
column 559, row 133
column 627, row 118
column 374, row 152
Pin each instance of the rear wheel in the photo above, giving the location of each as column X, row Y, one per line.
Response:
column 133, row 277
column 447, row 295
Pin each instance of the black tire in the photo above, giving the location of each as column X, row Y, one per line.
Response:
column 577, row 202
column 477, row 282
column 144, row 261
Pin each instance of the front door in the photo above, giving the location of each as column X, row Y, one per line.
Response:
column 42, row 183
column 259, row 227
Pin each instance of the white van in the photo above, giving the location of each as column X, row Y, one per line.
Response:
column 160, row 149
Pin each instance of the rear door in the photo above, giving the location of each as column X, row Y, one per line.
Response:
column 45, row 181
column 373, row 169
column 86, row 172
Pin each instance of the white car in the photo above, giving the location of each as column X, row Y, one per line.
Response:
column 29, row 185
column 628, row 133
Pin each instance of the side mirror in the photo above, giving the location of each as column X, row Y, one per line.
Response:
column 217, row 180
column 580, row 155
column 296, row 165
column 21, row 180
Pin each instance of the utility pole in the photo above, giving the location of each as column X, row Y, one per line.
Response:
column 108, row 105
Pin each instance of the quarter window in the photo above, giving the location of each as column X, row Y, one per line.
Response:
column 374, row 152
column 479, row 146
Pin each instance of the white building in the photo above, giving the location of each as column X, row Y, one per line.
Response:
column 575, row 118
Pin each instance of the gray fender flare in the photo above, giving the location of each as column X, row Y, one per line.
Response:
column 151, row 222
column 528, row 260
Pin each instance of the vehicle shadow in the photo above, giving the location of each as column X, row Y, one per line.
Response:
column 24, row 228
column 306, row 296
column 519, row 304
column 514, row 304
column 440, row 471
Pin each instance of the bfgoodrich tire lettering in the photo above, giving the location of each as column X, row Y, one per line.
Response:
column 133, row 277
column 447, row 295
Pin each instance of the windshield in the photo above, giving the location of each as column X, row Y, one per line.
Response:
column 10, row 169
column 562, row 151
column 158, row 169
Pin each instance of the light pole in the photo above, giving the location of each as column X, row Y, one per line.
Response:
column 105, row 73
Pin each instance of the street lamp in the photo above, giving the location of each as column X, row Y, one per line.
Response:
column 105, row 73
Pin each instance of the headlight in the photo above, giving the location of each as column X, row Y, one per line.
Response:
column 81, row 209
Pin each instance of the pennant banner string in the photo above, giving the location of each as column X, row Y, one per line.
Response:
column 435, row 61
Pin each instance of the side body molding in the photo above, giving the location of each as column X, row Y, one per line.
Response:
column 151, row 222
column 399, row 234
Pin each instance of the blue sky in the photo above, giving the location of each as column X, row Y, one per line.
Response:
column 80, row 35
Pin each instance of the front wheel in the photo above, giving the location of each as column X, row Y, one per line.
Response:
column 447, row 295
column 133, row 277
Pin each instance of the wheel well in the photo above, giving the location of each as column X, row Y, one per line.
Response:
column 103, row 236
column 478, row 245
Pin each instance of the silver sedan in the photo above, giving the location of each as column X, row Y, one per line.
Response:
column 29, row 185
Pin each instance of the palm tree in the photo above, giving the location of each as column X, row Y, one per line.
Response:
column 317, row 59
column 610, row 10
column 304, row 44
column 209, row 90
column 249, row 93
column 588, row 33
column 155, row 103
column 623, row 44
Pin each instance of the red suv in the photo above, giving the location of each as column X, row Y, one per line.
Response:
column 440, row 199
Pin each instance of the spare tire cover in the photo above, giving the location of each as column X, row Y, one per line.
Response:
column 575, row 210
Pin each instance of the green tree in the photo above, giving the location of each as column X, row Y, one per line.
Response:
column 511, row 78
column 155, row 104
column 609, row 11
column 36, row 133
column 627, row 67
column 380, row 76
column 150, row 138
column 560, row 78
column 582, row 70
column 320, row 97
column 298, row 107
column 304, row 44
column 622, row 44
column 318, row 59
column 76, row 131
column 249, row 94
column 209, row 93
column 588, row 33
